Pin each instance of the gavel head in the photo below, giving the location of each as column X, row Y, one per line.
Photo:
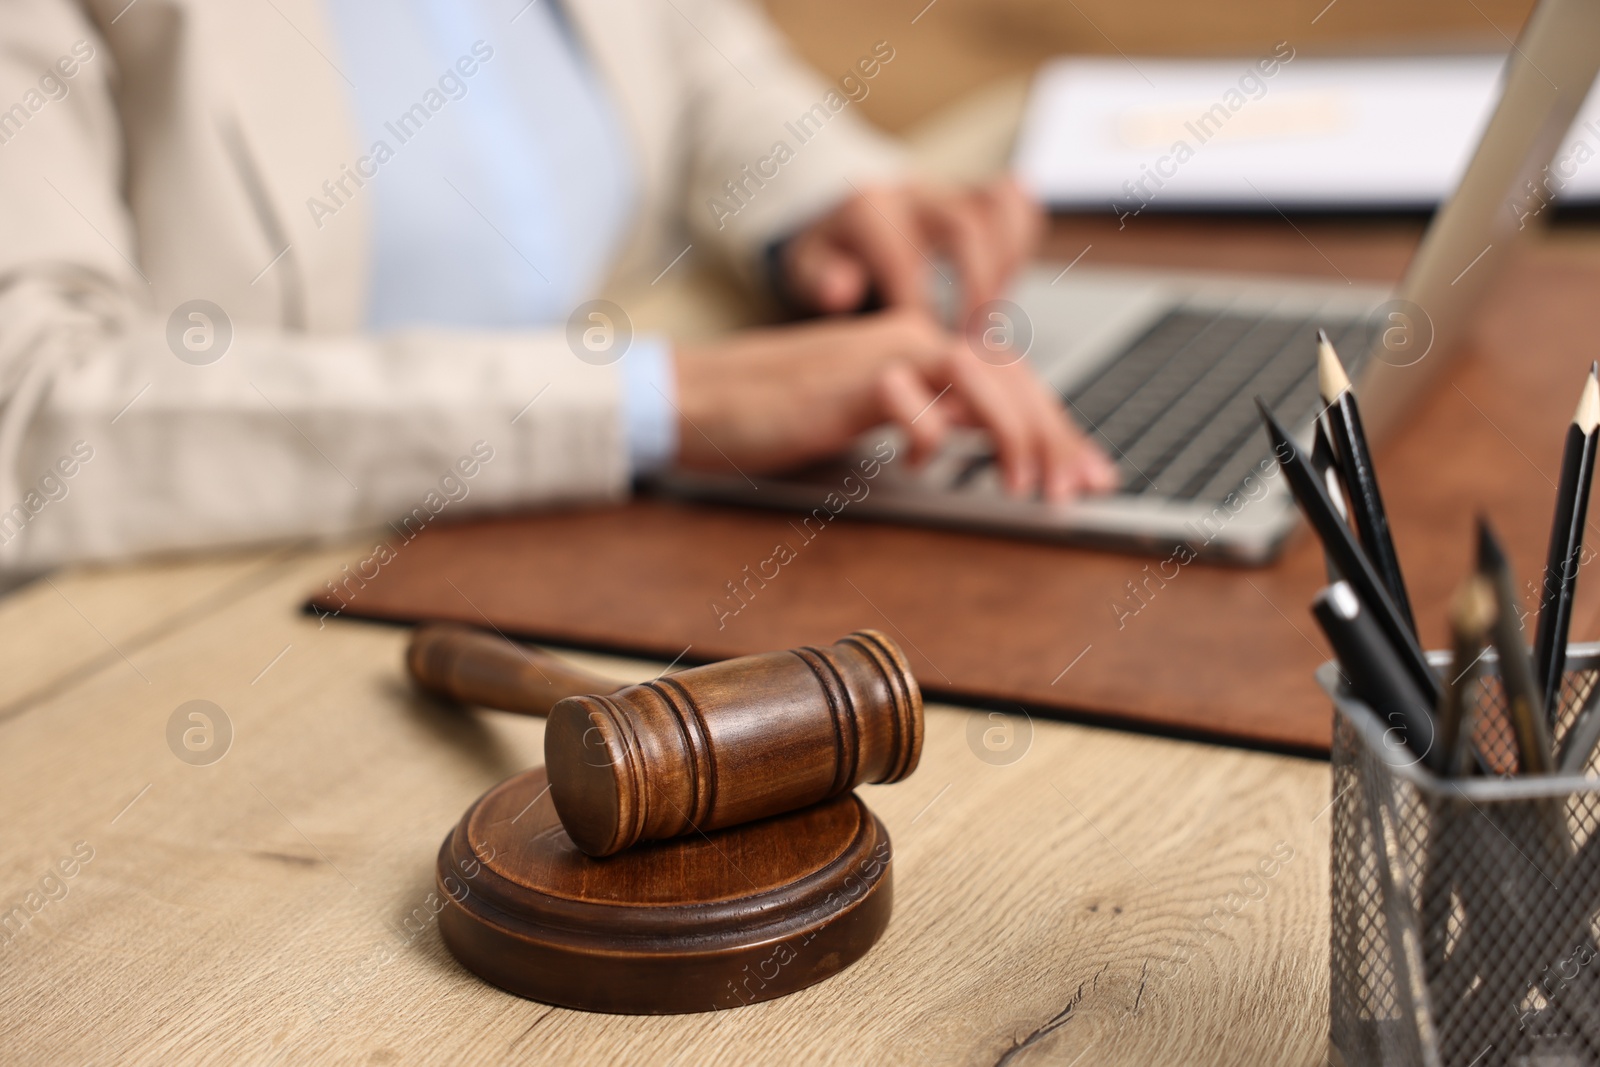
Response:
column 729, row 742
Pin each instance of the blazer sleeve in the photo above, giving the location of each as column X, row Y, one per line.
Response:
column 126, row 431
column 771, row 143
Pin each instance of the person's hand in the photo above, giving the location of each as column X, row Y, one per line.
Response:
column 766, row 400
column 887, row 238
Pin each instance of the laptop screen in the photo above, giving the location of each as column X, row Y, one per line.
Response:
column 1506, row 192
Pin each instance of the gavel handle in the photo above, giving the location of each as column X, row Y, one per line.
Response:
column 474, row 667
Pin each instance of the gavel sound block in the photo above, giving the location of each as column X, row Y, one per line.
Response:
column 708, row 920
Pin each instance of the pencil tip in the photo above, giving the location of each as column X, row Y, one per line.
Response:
column 1331, row 378
column 1284, row 450
column 1491, row 557
column 1587, row 417
column 1273, row 427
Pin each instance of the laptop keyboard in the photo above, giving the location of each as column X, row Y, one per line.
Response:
column 1176, row 409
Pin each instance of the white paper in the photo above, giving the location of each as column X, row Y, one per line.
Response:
column 1313, row 133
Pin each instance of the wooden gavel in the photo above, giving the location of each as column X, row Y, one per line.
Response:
column 701, row 749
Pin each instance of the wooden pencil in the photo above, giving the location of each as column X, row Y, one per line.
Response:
column 1375, row 671
column 1356, row 470
column 1347, row 555
column 1566, row 542
column 1325, row 464
column 1524, row 702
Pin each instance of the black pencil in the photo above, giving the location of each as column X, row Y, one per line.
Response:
column 1566, row 542
column 1360, row 479
column 1375, row 671
column 1524, row 702
column 1325, row 463
column 1347, row 556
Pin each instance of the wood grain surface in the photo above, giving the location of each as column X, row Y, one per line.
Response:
column 703, row 923
column 731, row 742
column 1062, row 893
column 51, row 640
column 472, row 665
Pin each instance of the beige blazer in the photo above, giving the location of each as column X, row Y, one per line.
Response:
column 160, row 152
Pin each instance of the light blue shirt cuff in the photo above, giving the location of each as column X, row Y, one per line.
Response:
column 649, row 396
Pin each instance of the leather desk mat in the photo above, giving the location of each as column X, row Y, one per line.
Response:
column 1217, row 652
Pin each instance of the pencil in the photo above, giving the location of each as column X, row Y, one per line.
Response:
column 1360, row 479
column 1347, row 556
column 1375, row 671
column 1566, row 542
column 1524, row 703
column 1472, row 612
column 1323, row 462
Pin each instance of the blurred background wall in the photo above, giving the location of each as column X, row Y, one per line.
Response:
column 958, row 46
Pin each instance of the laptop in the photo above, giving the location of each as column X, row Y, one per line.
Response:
column 1162, row 368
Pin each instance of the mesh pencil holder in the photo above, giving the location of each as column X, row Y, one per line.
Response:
column 1465, row 912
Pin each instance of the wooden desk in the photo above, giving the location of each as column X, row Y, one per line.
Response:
column 256, row 909
column 1090, row 902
